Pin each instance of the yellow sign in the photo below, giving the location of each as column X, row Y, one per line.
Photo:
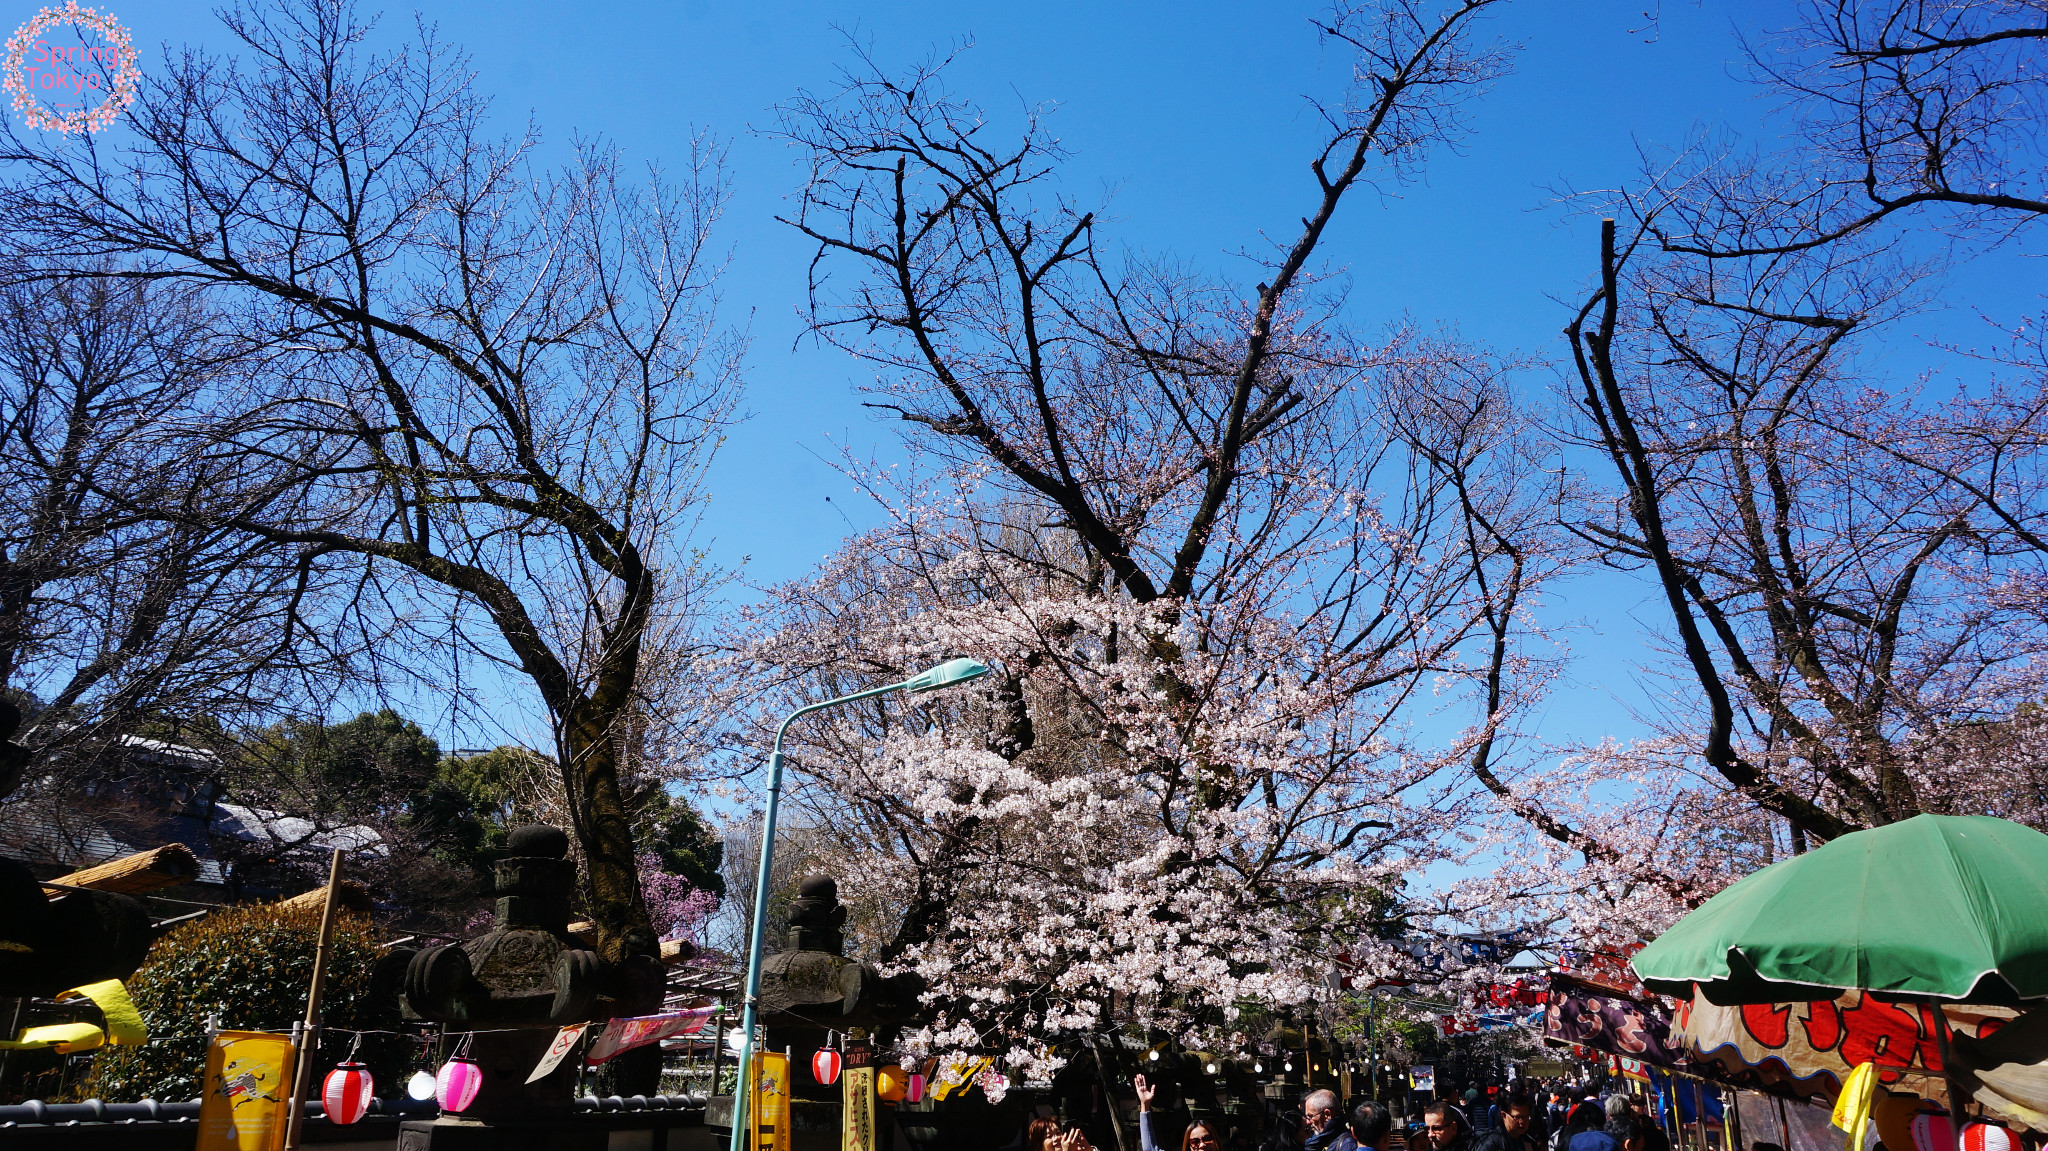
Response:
column 248, row 1082
column 768, row 1105
column 858, row 1130
column 960, row 1077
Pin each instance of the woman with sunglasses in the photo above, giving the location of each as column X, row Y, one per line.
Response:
column 1199, row 1136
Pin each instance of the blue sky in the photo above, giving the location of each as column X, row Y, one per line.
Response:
column 1193, row 114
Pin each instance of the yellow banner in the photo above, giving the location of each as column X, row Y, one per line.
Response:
column 248, row 1083
column 858, row 1129
column 768, row 1105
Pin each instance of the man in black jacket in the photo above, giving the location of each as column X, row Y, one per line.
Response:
column 1371, row 1129
column 1513, row 1132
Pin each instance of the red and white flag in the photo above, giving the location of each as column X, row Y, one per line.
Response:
column 640, row 1030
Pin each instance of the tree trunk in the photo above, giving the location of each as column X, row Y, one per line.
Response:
column 604, row 829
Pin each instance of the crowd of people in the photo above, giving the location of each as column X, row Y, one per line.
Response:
column 1556, row 1119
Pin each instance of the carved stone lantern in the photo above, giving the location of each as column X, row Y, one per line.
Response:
column 814, row 988
column 515, row 986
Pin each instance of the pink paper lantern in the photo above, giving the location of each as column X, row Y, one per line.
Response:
column 1931, row 1132
column 914, row 1093
column 457, row 1084
column 825, row 1066
column 346, row 1092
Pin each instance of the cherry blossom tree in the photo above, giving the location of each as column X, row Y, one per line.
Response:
column 1257, row 588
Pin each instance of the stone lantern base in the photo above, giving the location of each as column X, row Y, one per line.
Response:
column 452, row 1133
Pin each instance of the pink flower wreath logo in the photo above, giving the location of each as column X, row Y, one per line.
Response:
column 71, row 87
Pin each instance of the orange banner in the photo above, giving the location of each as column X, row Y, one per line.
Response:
column 248, row 1085
column 768, row 1108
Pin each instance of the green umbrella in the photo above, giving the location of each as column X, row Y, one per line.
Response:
column 1938, row 907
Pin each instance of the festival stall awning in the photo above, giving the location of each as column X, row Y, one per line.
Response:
column 1805, row 1050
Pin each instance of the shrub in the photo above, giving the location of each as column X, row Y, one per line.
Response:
column 247, row 968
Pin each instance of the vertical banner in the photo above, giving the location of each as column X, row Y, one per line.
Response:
column 248, row 1083
column 857, row 1128
column 768, row 1103
column 1423, row 1076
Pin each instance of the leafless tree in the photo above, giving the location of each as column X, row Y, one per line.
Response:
column 114, row 622
column 1846, row 560
column 495, row 387
column 1000, row 324
column 1921, row 112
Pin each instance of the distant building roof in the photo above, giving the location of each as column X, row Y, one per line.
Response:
column 184, row 808
column 258, row 825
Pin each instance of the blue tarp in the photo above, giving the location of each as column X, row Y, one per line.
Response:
column 1687, row 1095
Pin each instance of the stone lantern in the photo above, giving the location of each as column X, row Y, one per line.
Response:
column 814, row 988
column 515, row 986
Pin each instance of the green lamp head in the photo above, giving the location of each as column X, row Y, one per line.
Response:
column 947, row 674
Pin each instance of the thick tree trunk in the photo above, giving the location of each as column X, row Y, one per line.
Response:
column 604, row 829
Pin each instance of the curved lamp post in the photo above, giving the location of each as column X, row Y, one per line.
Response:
column 945, row 675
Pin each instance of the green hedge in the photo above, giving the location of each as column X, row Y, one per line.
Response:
column 249, row 968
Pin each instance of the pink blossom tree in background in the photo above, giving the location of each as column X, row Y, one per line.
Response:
column 678, row 909
column 1839, row 522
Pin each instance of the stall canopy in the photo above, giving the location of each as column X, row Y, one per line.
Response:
column 1937, row 907
column 1807, row 1049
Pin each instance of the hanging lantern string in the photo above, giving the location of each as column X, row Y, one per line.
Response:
column 356, row 1032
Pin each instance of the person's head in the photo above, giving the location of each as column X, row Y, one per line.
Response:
column 1441, row 1124
column 1201, row 1136
column 1616, row 1106
column 1627, row 1131
column 1041, row 1132
column 1515, row 1114
column 1371, row 1124
column 1583, row 1116
column 1286, row 1130
column 1320, row 1109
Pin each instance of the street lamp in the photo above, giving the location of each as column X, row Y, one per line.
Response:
column 945, row 675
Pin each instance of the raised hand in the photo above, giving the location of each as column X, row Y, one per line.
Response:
column 1146, row 1092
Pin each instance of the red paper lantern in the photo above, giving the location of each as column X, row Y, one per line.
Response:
column 1989, row 1137
column 825, row 1066
column 347, row 1092
column 914, row 1093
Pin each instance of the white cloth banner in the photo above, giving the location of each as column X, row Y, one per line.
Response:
column 565, row 1041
